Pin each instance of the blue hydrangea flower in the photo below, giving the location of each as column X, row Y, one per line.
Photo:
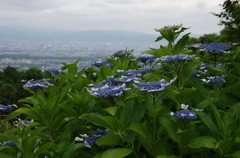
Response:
column 99, row 63
column 108, row 91
column 8, row 143
column 38, row 84
column 135, row 73
column 154, row 86
column 214, row 79
column 185, row 114
column 21, row 123
column 90, row 141
column 180, row 57
column 7, row 108
column 205, row 66
column 197, row 73
column 119, row 81
column 146, row 59
column 215, row 47
column 53, row 72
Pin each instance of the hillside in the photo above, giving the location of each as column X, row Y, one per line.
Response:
column 13, row 33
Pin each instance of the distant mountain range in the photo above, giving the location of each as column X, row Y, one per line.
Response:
column 12, row 33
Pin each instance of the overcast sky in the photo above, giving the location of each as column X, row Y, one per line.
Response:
column 132, row 15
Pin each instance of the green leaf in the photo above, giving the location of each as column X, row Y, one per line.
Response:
column 116, row 153
column 154, row 113
column 132, row 111
column 106, row 121
column 159, row 38
column 140, row 129
column 164, row 156
column 28, row 146
column 69, row 110
column 7, row 155
column 69, row 151
column 106, row 71
column 217, row 115
column 110, row 140
column 42, row 148
column 236, row 154
column 171, row 128
column 16, row 113
column 188, row 70
column 180, row 45
column 205, row 141
column 168, row 35
column 111, row 110
column 208, row 122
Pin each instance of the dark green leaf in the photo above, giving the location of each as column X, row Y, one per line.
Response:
column 110, row 140
column 116, row 153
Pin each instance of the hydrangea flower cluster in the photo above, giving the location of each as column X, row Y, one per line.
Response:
column 99, row 63
column 136, row 73
column 169, row 27
column 21, row 123
column 8, row 143
column 215, row 47
column 53, row 72
column 205, row 66
column 104, row 91
column 121, row 54
column 203, row 69
column 119, row 81
column 146, row 59
column 214, row 79
column 180, row 57
column 7, row 108
column 154, row 86
column 185, row 114
column 38, row 84
column 89, row 141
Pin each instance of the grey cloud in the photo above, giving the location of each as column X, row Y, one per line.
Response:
column 28, row 5
column 200, row 5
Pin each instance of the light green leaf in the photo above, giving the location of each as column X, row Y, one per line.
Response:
column 111, row 110
column 205, row 141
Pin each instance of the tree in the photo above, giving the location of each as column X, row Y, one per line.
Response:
column 205, row 39
column 230, row 19
column 8, row 94
column 33, row 73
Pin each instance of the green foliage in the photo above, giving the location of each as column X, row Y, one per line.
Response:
column 70, row 120
column 230, row 19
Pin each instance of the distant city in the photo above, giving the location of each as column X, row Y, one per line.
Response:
column 25, row 54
